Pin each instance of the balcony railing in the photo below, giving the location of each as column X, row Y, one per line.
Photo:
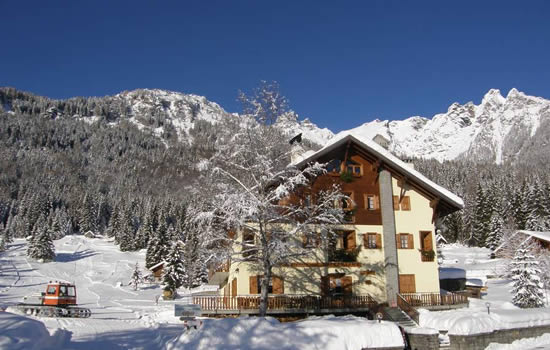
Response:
column 427, row 255
column 434, row 299
column 283, row 303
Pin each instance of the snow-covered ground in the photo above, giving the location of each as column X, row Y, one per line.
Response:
column 121, row 317
column 502, row 314
column 126, row 319
column 314, row 333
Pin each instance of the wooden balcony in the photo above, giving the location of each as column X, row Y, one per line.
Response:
column 435, row 301
column 284, row 304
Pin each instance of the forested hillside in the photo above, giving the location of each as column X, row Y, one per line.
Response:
column 129, row 165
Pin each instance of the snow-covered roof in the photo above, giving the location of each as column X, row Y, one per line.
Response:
column 544, row 236
column 157, row 265
column 386, row 157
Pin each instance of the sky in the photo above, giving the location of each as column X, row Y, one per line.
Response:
column 339, row 63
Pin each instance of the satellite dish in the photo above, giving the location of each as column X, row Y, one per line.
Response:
column 297, row 138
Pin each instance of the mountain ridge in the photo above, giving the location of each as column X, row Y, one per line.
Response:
column 498, row 129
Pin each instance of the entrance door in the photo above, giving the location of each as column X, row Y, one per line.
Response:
column 407, row 284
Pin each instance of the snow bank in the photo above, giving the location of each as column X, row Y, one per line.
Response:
column 542, row 342
column 315, row 333
column 20, row 332
column 472, row 321
column 451, row 272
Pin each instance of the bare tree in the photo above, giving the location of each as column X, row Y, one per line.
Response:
column 257, row 193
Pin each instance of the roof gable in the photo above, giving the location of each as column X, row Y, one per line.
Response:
column 394, row 165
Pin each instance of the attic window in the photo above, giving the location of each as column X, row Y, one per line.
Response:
column 355, row 169
column 334, row 166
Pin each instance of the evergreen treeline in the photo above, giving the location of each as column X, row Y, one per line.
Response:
column 497, row 198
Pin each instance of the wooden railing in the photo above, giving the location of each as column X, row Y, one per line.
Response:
column 408, row 309
column 284, row 302
column 434, row 299
column 221, row 268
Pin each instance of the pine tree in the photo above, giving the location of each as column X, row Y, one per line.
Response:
column 125, row 234
column 41, row 244
column 174, row 270
column 495, row 231
column 157, row 248
column 137, row 278
column 527, row 287
column 480, row 225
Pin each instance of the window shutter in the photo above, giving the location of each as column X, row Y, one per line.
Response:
column 278, row 285
column 398, row 241
column 350, row 238
column 378, row 241
column 376, row 202
column 234, row 287
column 347, row 285
column 406, row 203
column 411, row 241
column 395, row 202
column 253, row 285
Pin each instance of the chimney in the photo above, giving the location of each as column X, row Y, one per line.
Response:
column 296, row 150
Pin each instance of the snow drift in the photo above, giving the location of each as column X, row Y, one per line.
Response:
column 20, row 332
column 315, row 333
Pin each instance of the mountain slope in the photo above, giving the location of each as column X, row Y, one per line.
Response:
column 499, row 129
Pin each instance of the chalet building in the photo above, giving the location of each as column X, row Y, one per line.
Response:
column 384, row 251
column 542, row 239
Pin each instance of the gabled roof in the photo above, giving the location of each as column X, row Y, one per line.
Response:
column 156, row 266
column 387, row 159
column 543, row 236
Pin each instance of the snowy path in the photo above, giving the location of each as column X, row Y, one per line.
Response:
column 121, row 317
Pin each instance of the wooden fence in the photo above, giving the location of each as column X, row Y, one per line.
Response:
column 284, row 302
column 434, row 299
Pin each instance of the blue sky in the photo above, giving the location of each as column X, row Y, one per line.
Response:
column 340, row 63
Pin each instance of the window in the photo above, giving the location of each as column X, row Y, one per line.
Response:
column 354, row 168
column 275, row 285
column 311, row 240
column 62, row 291
column 346, row 202
column 372, row 240
column 270, row 285
column 371, row 202
column 71, row 292
column 334, row 166
column 405, row 241
column 336, row 285
column 51, row 290
column 248, row 244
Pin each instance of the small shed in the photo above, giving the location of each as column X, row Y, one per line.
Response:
column 156, row 270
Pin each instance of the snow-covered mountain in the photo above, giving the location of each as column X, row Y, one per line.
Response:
column 498, row 129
